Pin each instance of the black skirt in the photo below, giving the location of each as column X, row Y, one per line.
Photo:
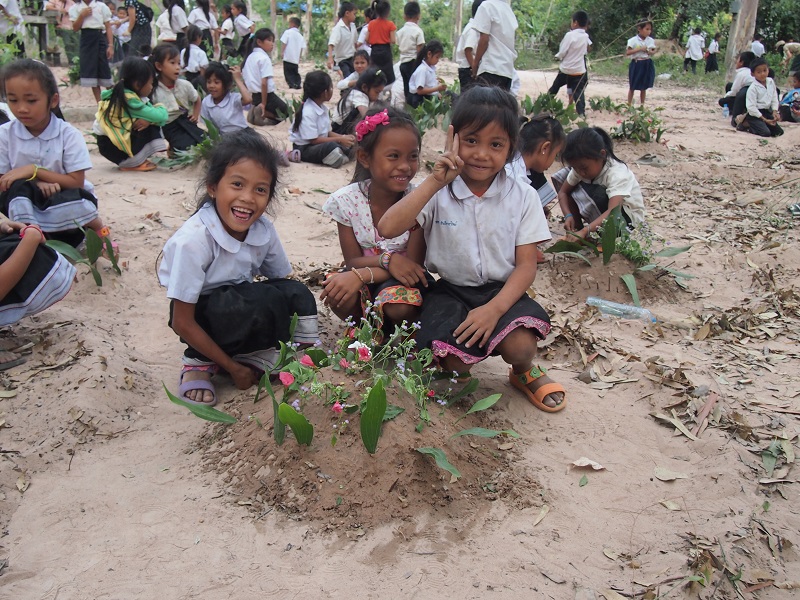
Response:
column 381, row 57
column 94, row 68
column 182, row 134
column 143, row 144
column 24, row 202
column 140, row 36
column 446, row 306
column 641, row 74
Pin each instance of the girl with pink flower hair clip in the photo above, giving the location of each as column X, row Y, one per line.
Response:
column 385, row 273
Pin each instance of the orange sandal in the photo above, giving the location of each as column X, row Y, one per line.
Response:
column 522, row 380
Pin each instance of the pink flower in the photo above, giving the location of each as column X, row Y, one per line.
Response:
column 431, row 393
column 344, row 364
column 352, row 334
column 337, row 408
column 306, row 360
column 287, row 379
column 364, row 354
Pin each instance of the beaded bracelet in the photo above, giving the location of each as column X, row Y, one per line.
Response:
column 385, row 258
column 359, row 276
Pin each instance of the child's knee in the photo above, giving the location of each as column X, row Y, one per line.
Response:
column 397, row 313
column 519, row 346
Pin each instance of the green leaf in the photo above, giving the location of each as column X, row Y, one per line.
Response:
column 441, row 460
column 264, row 384
column 94, row 245
column 485, row 433
column 393, row 411
column 96, row 274
column 111, row 255
column 319, row 356
column 67, row 250
column 680, row 274
column 630, row 281
column 584, row 480
column 649, row 267
column 278, row 426
column 293, row 326
column 468, row 389
column 303, row 430
column 575, row 255
column 321, row 191
column 372, row 417
column 609, row 239
column 672, row 251
column 487, row 402
column 565, row 246
column 207, row 413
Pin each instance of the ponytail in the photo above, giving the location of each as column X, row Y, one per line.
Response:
column 589, row 143
column 432, row 47
column 315, row 84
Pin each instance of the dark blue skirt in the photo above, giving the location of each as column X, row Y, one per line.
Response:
column 641, row 74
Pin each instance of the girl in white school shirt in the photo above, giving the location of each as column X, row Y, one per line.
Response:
column 423, row 82
column 481, row 229
column 243, row 26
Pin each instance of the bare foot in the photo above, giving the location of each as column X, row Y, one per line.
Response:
column 200, row 396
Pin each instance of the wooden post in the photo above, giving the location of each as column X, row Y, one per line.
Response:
column 273, row 12
column 307, row 32
column 741, row 34
column 459, row 17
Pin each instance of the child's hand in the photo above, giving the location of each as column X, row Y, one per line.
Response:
column 48, row 189
column 10, row 226
column 13, row 175
column 406, row 271
column 569, row 223
column 347, row 141
column 243, row 376
column 477, row 327
column 339, row 288
column 442, row 87
column 448, row 166
column 140, row 125
column 235, row 70
column 193, row 117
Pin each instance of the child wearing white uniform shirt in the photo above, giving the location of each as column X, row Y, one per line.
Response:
column 495, row 19
column 423, row 82
column 243, row 26
column 97, row 44
column 293, row 45
column 762, row 103
column 641, row 70
column 260, row 80
column 694, row 51
column 572, row 54
column 742, row 79
column 342, row 41
column 712, row 66
column 465, row 49
column 410, row 39
column 226, row 33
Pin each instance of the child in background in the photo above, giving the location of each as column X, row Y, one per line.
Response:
column 423, row 82
column 381, row 36
column 712, row 66
column 311, row 135
column 205, row 20
column 178, row 21
column 756, row 47
column 243, row 26
column 355, row 101
column 410, row 40
column 165, row 33
column 572, row 53
column 122, row 35
column 596, row 183
column 222, row 106
column 465, row 50
column 789, row 108
column 741, row 80
column 293, row 46
column 361, row 43
column 761, row 117
column 179, row 97
column 481, row 229
column 694, row 51
column 360, row 64
column 259, row 78
column 93, row 20
column 342, row 41
column 43, row 160
column 227, row 320
column 384, row 272
column 193, row 59
column 641, row 71
column 127, row 126
column 226, row 33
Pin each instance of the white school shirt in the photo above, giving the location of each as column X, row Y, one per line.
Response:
column 178, row 21
column 97, row 20
column 258, row 66
column 197, row 59
column 227, row 116
column 496, row 18
column 343, row 39
column 761, row 97
column 742, row 78
column 362, row 39
column 178, row 101
column 122, row 33
column 469, row 39
column 618, row 180
column 201, row 256
column 517, row 169
column 60, row 148
column 472, row 241
column 694, row 47
column 409, row 36
column 226, row 31
column 316, row 123
column 423, row 77
column 242, row 25
column 641, row 45
column 164, row 29
column 6, row 26
column 198, row 17
column 757, row 48
column 344, row 83
column 713, row 47
column 354, row 99
column 572, row 52
column 516, row 84
column 294, row 44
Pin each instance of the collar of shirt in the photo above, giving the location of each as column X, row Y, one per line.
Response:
column 497, row 189
column 318, row 110
column 50, row 132
column 256, row 236
column 222, row 103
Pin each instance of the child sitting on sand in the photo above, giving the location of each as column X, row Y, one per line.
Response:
column 224, row 107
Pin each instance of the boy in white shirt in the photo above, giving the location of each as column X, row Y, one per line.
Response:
column 293, row 45
column 694, row 51
column 572, row 54
column 757, row 47
column 742, row 79
column 410, row 40
column 342, row 42
column 495, row 55
column 761, row 117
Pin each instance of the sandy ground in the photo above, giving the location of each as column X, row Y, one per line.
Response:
column 119, row 500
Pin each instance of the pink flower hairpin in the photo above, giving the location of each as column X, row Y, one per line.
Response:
column 371, row 123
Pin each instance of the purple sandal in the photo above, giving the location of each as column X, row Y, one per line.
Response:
column 197, row 384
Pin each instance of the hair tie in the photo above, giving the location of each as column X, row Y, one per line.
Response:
column 370, row 124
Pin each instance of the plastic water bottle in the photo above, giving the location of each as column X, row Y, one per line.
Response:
column 726, row 112
column 625, row 311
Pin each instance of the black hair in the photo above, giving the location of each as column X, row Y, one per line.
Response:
column 145, row 50
column 315, row 84
column 757, row 62
column 221, row 72
column 371, row 77
column 541, row 128
column 226, row 8
column 717, row 35
column 32, row 69
column 697, row 31
column 240, row 6
column 411, row 10
column 362, row 53
column 432, row 47
column 382, row 8
column 295, row 21
column 757, row 37
column 193, row 34
column 134, row 74
column 173, row 4
column 206, row 6
column 746, row 58
column 234, row 147
column 589, row 143
column 481, row 105
column 161, row 54
column 397, row 118
column 475, row 6
column 259, row 36
column 345, row 7
column 369, row 13
column 644, row 23
column 581, row 18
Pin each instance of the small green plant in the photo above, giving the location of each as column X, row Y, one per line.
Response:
column 95, row 245
column 233, row 61
column 292, row 107
column 73, row 73
column 545, row 103
column 435, row 111
column 640, row 124
column 194, row 154
column 606, row 104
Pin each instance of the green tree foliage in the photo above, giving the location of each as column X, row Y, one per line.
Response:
column 778, row 20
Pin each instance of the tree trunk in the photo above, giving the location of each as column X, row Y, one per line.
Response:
column 335, row 11
column 680, row 19
column 307, row 32
column 273, row 13
column 741, row 35
column 459, row 17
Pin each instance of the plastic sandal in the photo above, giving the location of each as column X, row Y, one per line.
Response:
column 197, row 384
column 521, row 381
column 144, row 167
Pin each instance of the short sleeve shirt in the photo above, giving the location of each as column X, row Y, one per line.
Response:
column 293, row 43
column 423, row 77
column 694, row 47
column 343, row 39
column 409, row 36
column 641, row 45
column 468, row 39
column 226, row 32
column 201, row 256
column 242, row 25
column 496, row 18
column 177, row 19
column 618, row 180
column 97, row 20
column 178, row 101
column 257, row 67
column 472, row 241
column 350, row 207
column 198, row 17
column 316, row 123
column 380, row 31
column 355, row 99
column 227, row 116
column 198, row 59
